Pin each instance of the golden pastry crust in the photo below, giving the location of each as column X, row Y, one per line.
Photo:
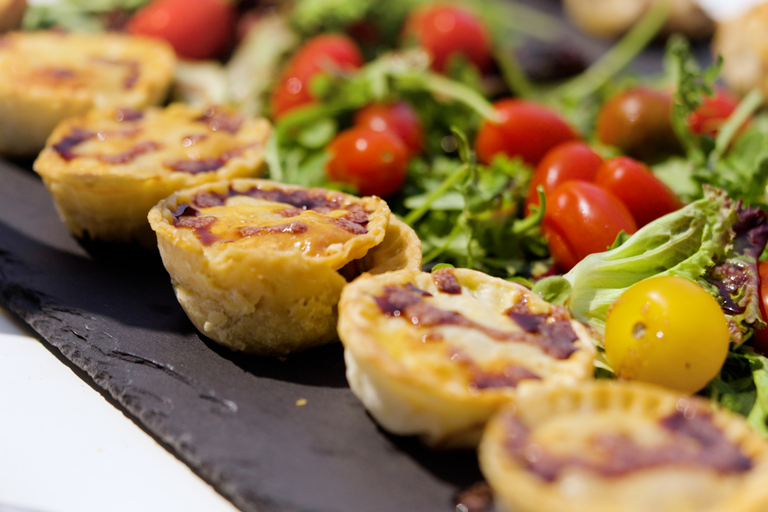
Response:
column 106, row 169
column 612, row 18
column 257, row 265
column 743, row 44
column 611, row 446
column 50, row 76
column 11, row 14
column 436, row 354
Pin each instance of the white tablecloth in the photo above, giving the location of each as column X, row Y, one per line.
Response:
column 64, row 448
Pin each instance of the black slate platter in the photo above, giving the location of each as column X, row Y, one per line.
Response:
column 233, row 419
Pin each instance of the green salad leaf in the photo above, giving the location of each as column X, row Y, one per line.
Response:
column 742, row 387
column 713, row 241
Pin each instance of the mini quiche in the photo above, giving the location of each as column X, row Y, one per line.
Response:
column 436, row 354
column 50, row 76
column 742, row 43
column 106, row 169
column 11, row 14
column 259, row 266
column 611, row 446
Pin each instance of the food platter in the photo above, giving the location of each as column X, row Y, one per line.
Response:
column 269, row 434
column 236, row 420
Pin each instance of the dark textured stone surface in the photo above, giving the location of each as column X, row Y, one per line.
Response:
column 232, row 418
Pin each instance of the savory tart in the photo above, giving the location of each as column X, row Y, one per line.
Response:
column 11, row 14
column 436, row 354
column 50, row 76
column 106, row 169
column 259, row 266
column 611, row 446
column 742, row 43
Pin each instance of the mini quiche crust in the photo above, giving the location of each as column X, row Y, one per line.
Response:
column 258, row 266
column 610, row 446
column 742, row 43
column 49, row 76
column 106, row 169
column 436, row 354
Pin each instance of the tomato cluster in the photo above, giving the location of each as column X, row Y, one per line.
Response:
column 373, row 154
column 591, row 200
column 637, row 121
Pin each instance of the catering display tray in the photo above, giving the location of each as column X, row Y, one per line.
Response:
column 269, row 434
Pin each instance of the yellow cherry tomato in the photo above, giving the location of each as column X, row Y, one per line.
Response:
column 668, row 331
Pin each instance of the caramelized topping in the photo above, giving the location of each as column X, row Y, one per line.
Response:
column 317, row 200
column 300, row 200
column 554, row 338
column 128, row 156
column 695, row 442
column 289, row 227
column 196, row 166
column 132, row 69
column 128, row 114
column 66, row 145
column 446, row 282
column 218, row 119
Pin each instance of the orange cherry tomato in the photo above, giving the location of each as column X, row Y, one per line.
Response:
column 637, row 121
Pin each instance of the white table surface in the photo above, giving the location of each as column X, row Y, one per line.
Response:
column 64, row 448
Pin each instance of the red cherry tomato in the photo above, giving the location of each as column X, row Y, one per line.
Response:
column 525, row 130
column 374, row 162
column 447, row 30
column 637, row 121
column 398, row 117
column 645, row 195
column 707, row 119
column 573, row 160
column 197, row 29
column 581, row 219
column 760, row 340
column 320, row 53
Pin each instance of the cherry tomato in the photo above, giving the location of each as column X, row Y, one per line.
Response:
column 320, row 53
column 669, row 331
column 573, row 160
column 447, row 30
column 399, row 117
column 637, row 121
column 582, row 218
column 524, row 130
column 197, row 29
column 707, row 119
column 760, row 340
column 374, row 162
column 645, row 195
